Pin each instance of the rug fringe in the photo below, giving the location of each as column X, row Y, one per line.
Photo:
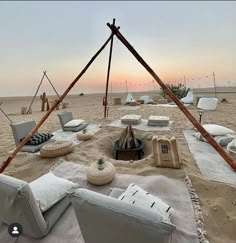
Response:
column 197, row 211
column 55, row 165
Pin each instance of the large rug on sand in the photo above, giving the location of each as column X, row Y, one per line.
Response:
column 210, row 163
column 177, row 193
column 72, row 136
column 142, row 126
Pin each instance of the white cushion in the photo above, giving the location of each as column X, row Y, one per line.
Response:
column 231, row 148
column 159, row 118
column 199, row 137
column 74, row 123
column 217, row 130
column 49, row 189
column 135, row 195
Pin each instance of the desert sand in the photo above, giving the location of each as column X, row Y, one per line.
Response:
column 216, row 199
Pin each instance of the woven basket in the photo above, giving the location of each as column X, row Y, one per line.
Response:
column 101, row 177
column 55, row 149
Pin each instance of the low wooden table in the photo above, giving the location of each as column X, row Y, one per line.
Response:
column 101, row 177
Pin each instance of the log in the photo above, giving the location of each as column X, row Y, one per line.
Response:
column 127, row 139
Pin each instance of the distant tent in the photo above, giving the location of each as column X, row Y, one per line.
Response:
column 129, row 98
column 147, row 99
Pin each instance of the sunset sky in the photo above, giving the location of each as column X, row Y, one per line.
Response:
column 177, row 39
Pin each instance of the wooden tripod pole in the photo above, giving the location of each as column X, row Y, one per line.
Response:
column 36, row 93
column 204, row 133
column 108, row 75
column 18, row 148
column 5, row 113
column 51, row 84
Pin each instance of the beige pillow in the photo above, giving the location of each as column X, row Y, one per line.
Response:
column 49, row 189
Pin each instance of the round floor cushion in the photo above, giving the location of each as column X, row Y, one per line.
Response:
column 101, row 177
column 56, row 148
column 84, row 136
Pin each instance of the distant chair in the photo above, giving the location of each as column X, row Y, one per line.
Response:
column 146, row 99
column 75, row 125
column 20, row 130
column 188, row 99
column 18, row 205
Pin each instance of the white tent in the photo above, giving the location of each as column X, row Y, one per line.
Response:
column 147, row 99
column 129, row 98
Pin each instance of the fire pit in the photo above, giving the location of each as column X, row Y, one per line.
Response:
column 129, row 146
column 138, row 150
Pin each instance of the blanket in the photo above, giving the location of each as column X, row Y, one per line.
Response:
column 188, row 228
column 210, row 163
column 72, row 136
column 142, row 126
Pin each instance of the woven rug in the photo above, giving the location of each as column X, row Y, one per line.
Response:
column 72, row 136
column 142, row 126
column 129, row 108
column 167, row 105
column 177, row 193
column 210, row 163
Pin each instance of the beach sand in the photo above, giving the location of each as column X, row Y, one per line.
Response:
column 216, row 199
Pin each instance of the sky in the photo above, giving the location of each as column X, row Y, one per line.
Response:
column 179, row 40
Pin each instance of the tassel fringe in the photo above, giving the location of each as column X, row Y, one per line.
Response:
column 197, row 211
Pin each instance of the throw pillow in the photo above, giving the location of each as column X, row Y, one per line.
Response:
column 137, row 196
column 74, row 123
column 199, row 137
column 231, row 148
column 38, row 138
column 224, row 140
column 217, row 130
column 49, row 189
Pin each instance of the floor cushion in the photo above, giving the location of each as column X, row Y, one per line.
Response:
column 56, row 148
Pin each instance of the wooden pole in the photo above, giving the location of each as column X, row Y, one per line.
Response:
column 18, row 148
column 204, row 133
column 126, row 86
column 214, row 83
column 108, row 75
column 44, row 100
column 5, row 113
column 35, row 93
column 51, row 84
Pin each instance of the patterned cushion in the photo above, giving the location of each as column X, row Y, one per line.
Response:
column 38, row 138
column 135, row 195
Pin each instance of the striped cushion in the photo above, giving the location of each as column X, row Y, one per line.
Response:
column 38, row 138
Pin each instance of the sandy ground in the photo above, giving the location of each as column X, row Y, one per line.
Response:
column 216, row 198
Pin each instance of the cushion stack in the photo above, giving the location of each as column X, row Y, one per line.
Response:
column 131, row 119
column 158, row 121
